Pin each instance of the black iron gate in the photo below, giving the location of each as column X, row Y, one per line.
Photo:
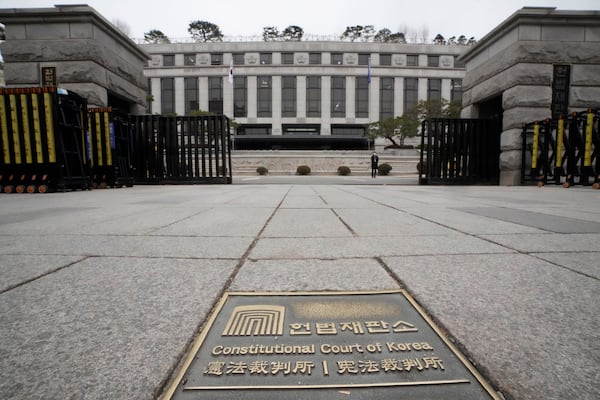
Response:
column 171, row 149
column 563, row 150
column 460, row 151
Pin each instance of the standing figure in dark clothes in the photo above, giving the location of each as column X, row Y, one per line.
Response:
column 374, row 164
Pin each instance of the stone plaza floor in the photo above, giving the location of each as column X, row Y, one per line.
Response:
column 102, row 291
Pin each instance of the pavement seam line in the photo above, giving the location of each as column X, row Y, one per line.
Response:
column 18, row 285
column 172, row 373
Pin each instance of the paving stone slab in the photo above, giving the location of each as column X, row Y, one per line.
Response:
column 128, row 246
column 15, row 270
column 105, row 328
column 305, row 223
column 530, row 324
column 551, row 242
column 289, row 248
column 312, row 274
column 587, row 263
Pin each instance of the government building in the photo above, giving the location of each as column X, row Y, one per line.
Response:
column 326, row 89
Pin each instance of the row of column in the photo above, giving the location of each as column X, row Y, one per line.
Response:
column 276, row 120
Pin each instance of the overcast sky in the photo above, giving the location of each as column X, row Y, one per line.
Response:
column 319, row 17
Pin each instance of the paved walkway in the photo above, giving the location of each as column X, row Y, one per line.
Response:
column 102, row 291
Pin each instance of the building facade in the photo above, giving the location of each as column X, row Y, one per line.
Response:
column 287, row 88
column 539, row 63
column 74, row 47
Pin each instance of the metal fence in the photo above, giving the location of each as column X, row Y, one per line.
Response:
column 562, row 151
column 460, row 151
column 171, row 149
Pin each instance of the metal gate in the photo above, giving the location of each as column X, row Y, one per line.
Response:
column 171, row 149
column 563, row 150
column 460, row 151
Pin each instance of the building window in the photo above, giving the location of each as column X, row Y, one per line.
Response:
column 433, row 61
column 313, row 96
column 167, row 95
column 216, row 59
column 456, row 90
column 238, row 58
column 168, row 60
column 189, row 59
column 386, row 98
column 288, row 96
column 362, row 97
column 337, row 58
column 264, row 96
column 385, row 59
column 287, row 58
column 314, row 58
column 254, row 129
column 266, row 58
column 412, row 60
column 347, row 130
column 458, row 63
column 411, row 93
column 191, row 94
column 434, row 89
column 363, row 59
column 215, row 94
column 240, row 96
column 338, row 96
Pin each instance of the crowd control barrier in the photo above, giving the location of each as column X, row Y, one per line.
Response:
column 563, row 151
column 42, row 139
column 108, row 145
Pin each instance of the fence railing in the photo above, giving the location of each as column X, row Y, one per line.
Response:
column 171, row 149
column 562, row 151
column 460, row 151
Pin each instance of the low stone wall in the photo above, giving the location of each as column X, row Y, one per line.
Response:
column 403, row 162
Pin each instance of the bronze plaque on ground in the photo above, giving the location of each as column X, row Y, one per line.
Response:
column 325, row 345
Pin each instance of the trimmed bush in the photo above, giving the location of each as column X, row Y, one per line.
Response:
column 303, row 170
column 343, row 170
column 262, row 170
column 384, row 169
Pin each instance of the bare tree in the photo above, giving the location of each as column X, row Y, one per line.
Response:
column 122, row 26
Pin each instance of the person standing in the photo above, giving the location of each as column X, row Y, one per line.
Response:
column 374, row 164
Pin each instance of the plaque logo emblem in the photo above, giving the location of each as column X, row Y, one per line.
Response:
column 255, row 320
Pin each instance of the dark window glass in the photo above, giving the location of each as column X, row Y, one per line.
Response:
column 385, row 59
column 264, row 96
column 314, row 58
column 215, row 94
column 411, row 93
column 287, row 58
column 433, row 61
column 216, row 59
column 362, row 97
column 456, row 90
column 167, row 95
column 338, row 96
column 434, row 89
column 386, row 98
column 288, row 96
column 266, row 58
column 363, row 59
column 254, row 129
column 337, row 58
column 191, row 94
column 240, row 96
column 313, row 96
column 189, row 59
column 169, row 60
column 458, row 63
column 347, row 130
column 238, row 58
column 412, row 60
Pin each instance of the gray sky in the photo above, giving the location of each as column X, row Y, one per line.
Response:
column 319, row 17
